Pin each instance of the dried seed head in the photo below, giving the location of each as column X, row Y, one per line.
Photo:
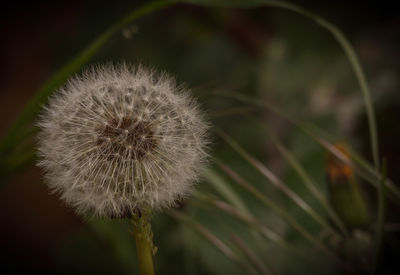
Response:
column 120, row 138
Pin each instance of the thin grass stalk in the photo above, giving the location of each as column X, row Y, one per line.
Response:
column 356, row 66
column 224, row 189
column 308, row 182
column 338, row 36
column 308, row 131
column 265, row 231
column 277, row 182
column 214, row 240
column 230, row 195
column 282, row 213
column 389, row 185
column 262, row 269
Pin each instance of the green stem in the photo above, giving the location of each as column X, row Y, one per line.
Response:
column 144, row 254
column 144, row 242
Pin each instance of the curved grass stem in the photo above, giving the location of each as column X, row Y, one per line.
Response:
column 339, row 37
column 310, row 185
column 356, row 66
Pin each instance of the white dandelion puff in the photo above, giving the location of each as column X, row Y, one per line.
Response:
column 119, row 138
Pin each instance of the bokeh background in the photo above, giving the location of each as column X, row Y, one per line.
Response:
column 266, row 53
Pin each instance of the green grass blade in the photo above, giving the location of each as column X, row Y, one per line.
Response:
column 310, row 185
column 265, row 231
column 278, row 210
column 357, row 68
column 253, row 258
column 389, row 185
column 225, row 190
column 370, row 174
column 277, row 182
column 20, row 129
column 214, row 240
column 339, row 37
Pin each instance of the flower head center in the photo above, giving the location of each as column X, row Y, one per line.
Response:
column 126, row 137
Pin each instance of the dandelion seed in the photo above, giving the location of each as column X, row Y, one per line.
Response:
column 115, row 140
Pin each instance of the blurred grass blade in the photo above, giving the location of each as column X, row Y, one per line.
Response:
column 282, row 213
column 310, row 185
column 20, row 129
column 339, row 37
column 277, row 182
column 360, row 165
column 228, row 193
column 355, row 63
column 328, row 146
column 251, row 255
column 220, row 245
column 265, row 231
column 389, row 185
column 225, row 190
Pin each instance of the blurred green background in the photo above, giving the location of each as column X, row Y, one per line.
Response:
column 265, row 53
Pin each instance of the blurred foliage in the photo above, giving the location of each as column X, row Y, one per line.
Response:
column 287, row 61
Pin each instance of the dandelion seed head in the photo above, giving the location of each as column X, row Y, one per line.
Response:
column 119, row 138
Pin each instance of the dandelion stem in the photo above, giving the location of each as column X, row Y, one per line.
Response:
column 144, row 242
column 144, row 254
